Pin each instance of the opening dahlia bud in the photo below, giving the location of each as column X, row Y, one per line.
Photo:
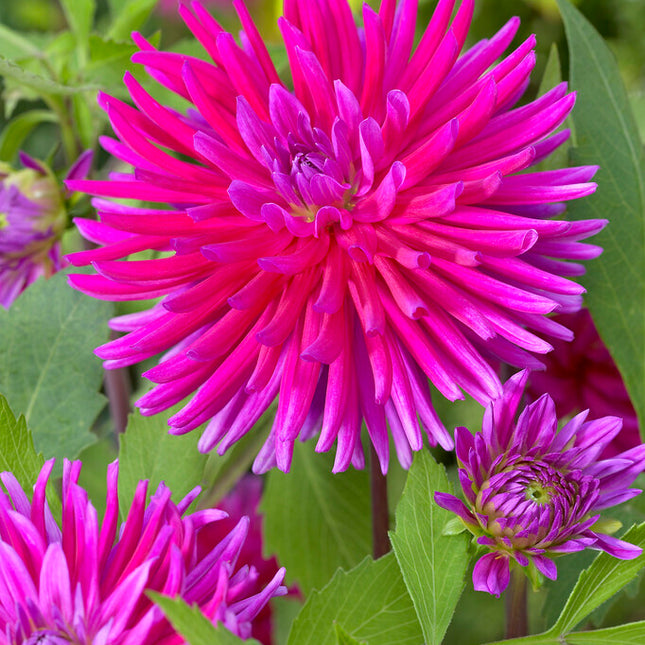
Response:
column 533, row 491
column 33, row 217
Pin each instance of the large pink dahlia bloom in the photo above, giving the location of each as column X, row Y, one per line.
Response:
column 338, row 244
column 86, row 582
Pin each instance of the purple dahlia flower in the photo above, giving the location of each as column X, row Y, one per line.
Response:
column 86, row 582
column 32, row 220
column 534, row 491
column 337, row 245
column 582, row 375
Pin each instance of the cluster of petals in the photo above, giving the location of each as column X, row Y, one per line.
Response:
column 582, row 375
column 533, row 491
column 336, row 245
column 242, row 501
column 86, row 582
column 32, row 219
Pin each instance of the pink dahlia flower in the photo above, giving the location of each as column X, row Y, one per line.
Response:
column 582, row 375
column 533, row 491
column 32, row 220
column 244, row 500
column 86, row 582
column 338, row 244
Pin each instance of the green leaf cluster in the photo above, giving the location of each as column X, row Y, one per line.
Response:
column 328, row 516
column 65, row 71
column 603, row 579
column 48, row 370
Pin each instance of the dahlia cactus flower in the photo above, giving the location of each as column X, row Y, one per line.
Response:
column 337, row 244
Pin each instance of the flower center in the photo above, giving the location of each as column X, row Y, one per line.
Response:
column 309, row 164
column 538, row 493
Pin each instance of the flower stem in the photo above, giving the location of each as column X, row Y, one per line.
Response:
column 516, row 603
column 117, row 388
column 380, row 511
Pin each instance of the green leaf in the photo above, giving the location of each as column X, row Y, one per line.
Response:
column 80, row 16
column 557, row 591
column 316, row 521
column 606, row 134
column 41, row 84
column 18, row 129
column 433, row 564
column 48, row 370
column 18, row 455
column 128, row 16
column 107, row 62
column 18, row 45
column 599, row 582
column 344, row 638
column 370, row 602
column 193, row 625
column 85, row 121
column 535, row 639
column 630, row 634
column 174, row 459
column 17, row 452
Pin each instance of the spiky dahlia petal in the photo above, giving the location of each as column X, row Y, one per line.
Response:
column 337, row 245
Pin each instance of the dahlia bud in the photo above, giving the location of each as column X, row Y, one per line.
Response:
column 33, row 216
column 533, row 491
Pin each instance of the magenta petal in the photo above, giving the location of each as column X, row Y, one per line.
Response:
column 492, row 574
column 617, row 548
column 451, row 503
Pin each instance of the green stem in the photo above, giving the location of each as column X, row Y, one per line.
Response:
column 63, row 111
column 516, row 604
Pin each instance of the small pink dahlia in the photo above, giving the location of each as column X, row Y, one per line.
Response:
column 582, row 375
column 86, row 583
column 338, row 244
